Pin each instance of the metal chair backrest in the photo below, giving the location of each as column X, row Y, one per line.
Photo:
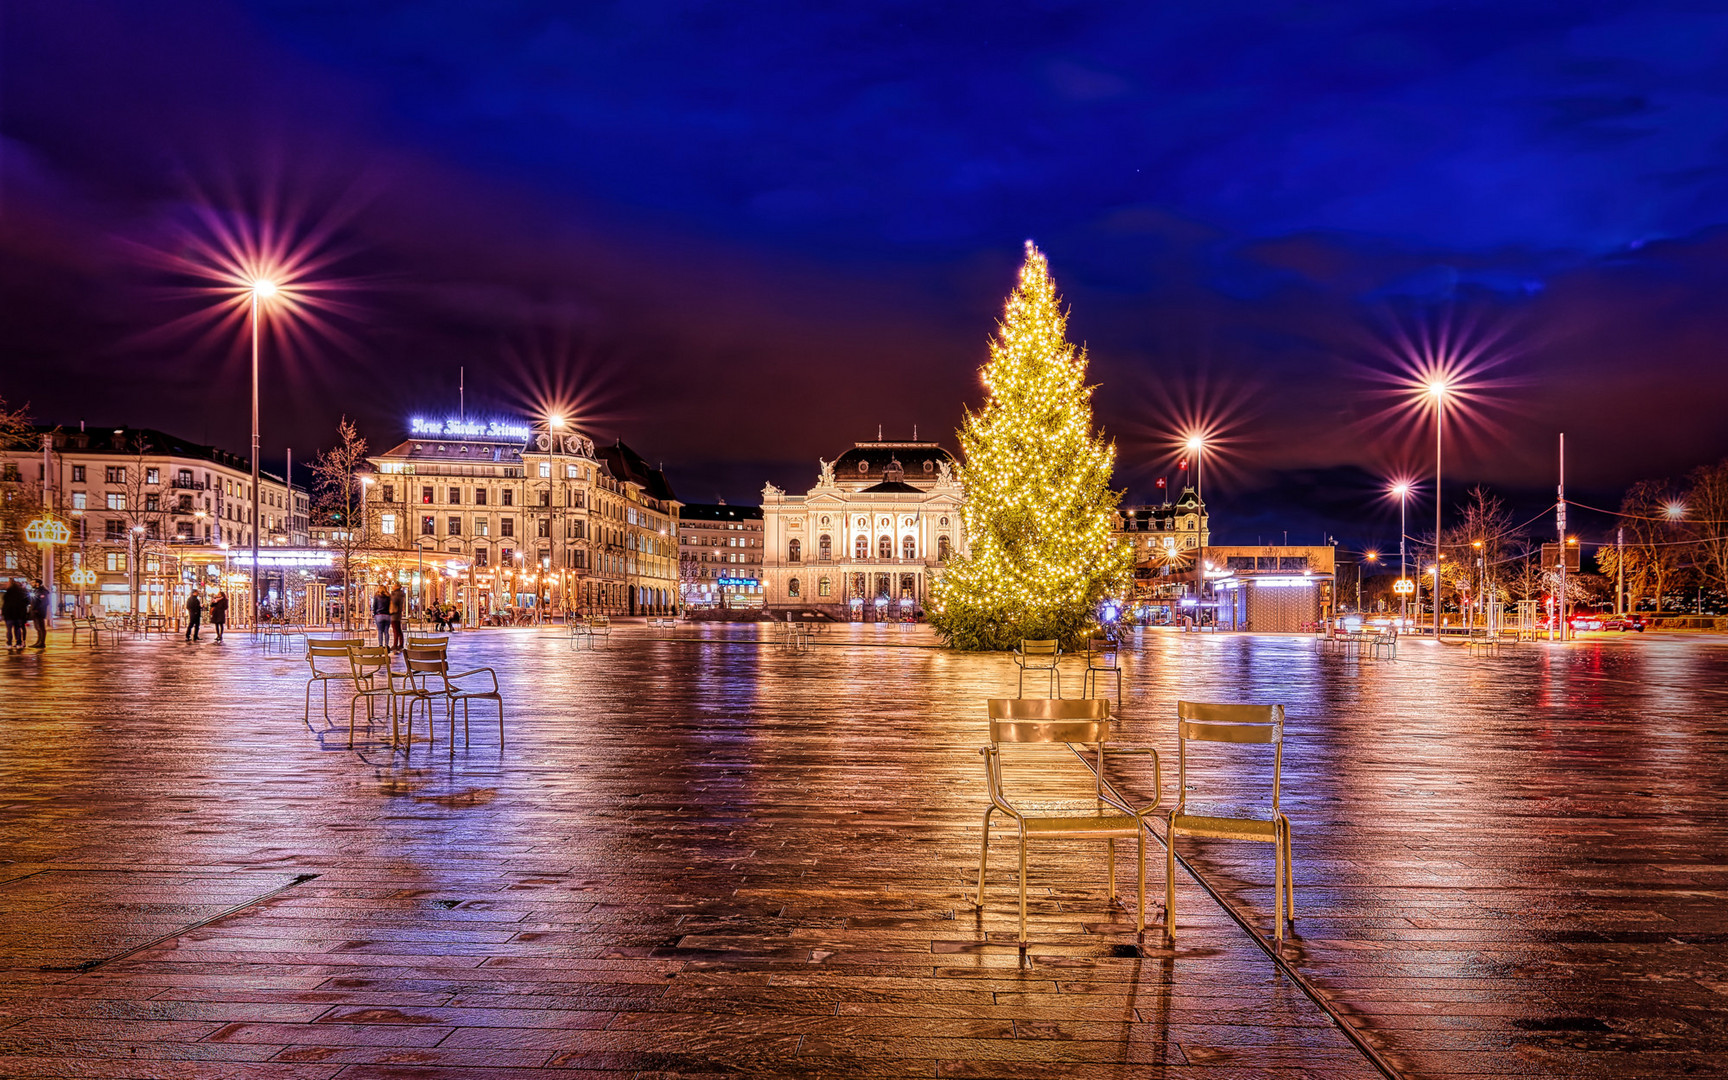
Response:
column 1049, row 720
column 1031, row 647
column 368, row 660
column 1240, row 724
column 427, row 641
column 1102, row 649
column 425, row 661
column 328, row 651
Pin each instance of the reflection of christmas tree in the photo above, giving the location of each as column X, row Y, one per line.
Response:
column 1039, row 508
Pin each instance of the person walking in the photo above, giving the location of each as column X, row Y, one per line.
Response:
column 15, row 609
column 381, row 615
column 39, row 615
column 194, row 615
column 398, row 612
column 219, row 613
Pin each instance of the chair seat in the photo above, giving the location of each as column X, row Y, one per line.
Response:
column 1080, row 819
column 1227, row 828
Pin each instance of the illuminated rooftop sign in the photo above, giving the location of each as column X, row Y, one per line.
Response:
column 284, row 557
column 454, row 428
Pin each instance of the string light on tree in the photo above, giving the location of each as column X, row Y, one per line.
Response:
column 1039, row 507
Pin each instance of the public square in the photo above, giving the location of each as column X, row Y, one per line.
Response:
column 701, row 853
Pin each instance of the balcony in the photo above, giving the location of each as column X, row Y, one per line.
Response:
column 188, row 485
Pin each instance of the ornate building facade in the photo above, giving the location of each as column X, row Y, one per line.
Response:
column 720, row 556
column 1165, row 539
column 865, row 543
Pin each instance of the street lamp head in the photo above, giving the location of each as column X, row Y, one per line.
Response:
column 1675, row 510
column 1195, row 443
column 555, row 420
column 263, row 288
column 1371, row 556
column 1401, row 489
column 1437, row 388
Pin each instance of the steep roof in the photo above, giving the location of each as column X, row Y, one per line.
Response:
column 627, row 465
column 871, row 462
column 125, row 441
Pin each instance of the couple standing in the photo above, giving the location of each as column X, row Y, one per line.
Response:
column 195, row 615
column 389, row 607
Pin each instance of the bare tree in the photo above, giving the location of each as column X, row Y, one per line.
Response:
column 1707, row 518
column 339, row 507
column 1655, row 550
column 20, row 498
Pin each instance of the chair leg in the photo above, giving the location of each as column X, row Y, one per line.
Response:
column 1022, row 883
column 1278, row 886
column 1140, row 897
column 1289, row 873
column 1110, row 857
column 984, row 856
column 500, row 723
column 1170, row 886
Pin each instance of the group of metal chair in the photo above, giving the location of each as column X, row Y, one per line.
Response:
column 587, row 628
column 1108, row 816
column 424, row 678
column 1045, row 656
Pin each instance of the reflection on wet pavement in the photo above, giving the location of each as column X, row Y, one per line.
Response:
column 702, row 854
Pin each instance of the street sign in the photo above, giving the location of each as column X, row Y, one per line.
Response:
column 1551, row 557
column 1403, row 586
column 45, row 531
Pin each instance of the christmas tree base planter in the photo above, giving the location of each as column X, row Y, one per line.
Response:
column 1040, row 513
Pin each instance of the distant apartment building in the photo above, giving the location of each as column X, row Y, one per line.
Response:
column 150, row 515
column 720, row 556
column 1166, row 539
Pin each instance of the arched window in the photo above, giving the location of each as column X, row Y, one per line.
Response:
column 792, row 587
column 861, row 549
column 824, row 547
column 885, row 548
column 794, row 551
column 908, row 548
column 941, row 549
column 824, row 587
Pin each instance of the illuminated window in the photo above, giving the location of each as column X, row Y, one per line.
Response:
column 116, row 500
column 546, row 469
column 885, row 548
column 824, row 587
column 387, row 524
column 152, row 476
column 79, row 501
column 428, row 525
column 792, row 587
column 908, row 548
column 941, row 549
column 455, row 526
column 793, row 551
column 861, row 548
column 824, row 548
column 116, row 562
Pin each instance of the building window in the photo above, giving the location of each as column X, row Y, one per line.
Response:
column 115, row 474
column 824, row 547
column 942, row 521
column 509, row 497
column 152, row 501
column 455, row 524
column 184, row 530
column 544, row 525
column 792, row 587
column 389, row 492
column 480, row 557
column 152, row 476
column 116, row 500
column 428, row 525
column 455, row 496
column 426, row 495
column 793, row 551
column 941, row 549
column 506, row 526
column 387, row 524
column 116, row 530
column 908, row 548
column 546, row 469
column 861, row 549
column 479, row 496
column 824, row 587
column 581, row 559
column 885, row 548
column 929, row 466
column 77, row 474
column 79, row 502
column 115, row 562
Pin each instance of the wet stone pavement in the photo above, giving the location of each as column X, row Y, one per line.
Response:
column 700, row 854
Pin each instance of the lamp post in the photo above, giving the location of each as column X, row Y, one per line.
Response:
column 262, row 289
column 1196, row 444
column 555, row 424
column 1437, row 390
column 1368, row 556
column 1402, row 490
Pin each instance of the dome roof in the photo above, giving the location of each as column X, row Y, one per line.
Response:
column 909, row 463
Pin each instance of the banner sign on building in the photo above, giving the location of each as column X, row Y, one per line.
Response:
column 454, row 428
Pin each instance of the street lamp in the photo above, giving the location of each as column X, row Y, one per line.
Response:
column 1195, row 445
column 1437, row 389
column 1402, row 490
column 261, row 289
column 555, row 424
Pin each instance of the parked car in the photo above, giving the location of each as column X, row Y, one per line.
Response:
column 1625, row 622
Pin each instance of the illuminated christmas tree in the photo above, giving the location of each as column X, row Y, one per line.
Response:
column 1039, row 507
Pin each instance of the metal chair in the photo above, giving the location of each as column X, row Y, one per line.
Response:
column 1236, row 724
column 369, row 663
column 424, row 664
column 1106, row 817
column 1101, row 659
column 427, row 641
column 329, row 662
column 1039, row 656
column 1385, row 643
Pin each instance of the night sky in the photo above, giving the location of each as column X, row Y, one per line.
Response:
column 741, row 236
